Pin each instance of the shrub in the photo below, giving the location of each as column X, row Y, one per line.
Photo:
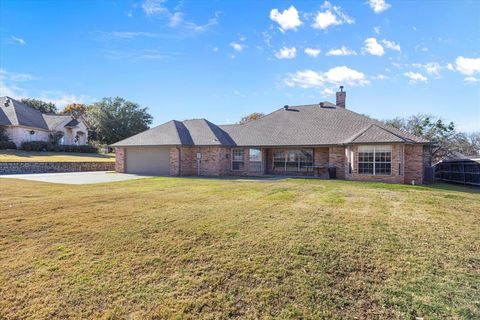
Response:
column 34, row 146
column 48, row 146
column 7, row 145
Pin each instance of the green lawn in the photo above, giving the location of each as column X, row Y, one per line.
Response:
column 27, row 156
column 217, row 249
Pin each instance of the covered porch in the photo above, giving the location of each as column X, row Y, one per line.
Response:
column 288, row 161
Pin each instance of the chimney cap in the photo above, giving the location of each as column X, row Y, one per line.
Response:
column 322, row 104
column 341, row 88
column 285, row 107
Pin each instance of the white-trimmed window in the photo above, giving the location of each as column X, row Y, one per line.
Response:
column 255, row 157
column 375, row 160
column 238, row 159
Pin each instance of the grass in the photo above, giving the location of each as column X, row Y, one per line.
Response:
column 33, row 156
column 167, row 248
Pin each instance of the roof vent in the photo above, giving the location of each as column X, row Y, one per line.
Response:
column 322, row 105
column 7, row 102
column 285, row 107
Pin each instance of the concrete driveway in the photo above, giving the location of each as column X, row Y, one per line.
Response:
column 76, row 177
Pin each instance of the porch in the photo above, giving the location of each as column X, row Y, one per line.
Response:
column 291, row 161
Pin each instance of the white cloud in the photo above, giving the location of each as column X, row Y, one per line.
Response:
column 62, row 99
column 155, row 7
column 152, row 7
column 381, row 77
column 19, row 40
column 334, row 76
column 312, row 52
column 175, row 19
column 215, row 49
column 415, row 77
column 237, row 46
column 201, row 27
column 289, row 19
column 391, row 45
column 432, row 68
column 331, row 16
column 467, row 66
column 377, row 29
column 471, row 80
column 327, row 92
column 126, row 35
column 373, row 47
column 378, row 6
column 286, row 53
column 343, row 51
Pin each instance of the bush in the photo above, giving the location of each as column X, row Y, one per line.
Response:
column 7, row 145
column 48, row 146
column 34, row 146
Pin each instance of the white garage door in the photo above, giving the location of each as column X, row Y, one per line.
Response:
column 148, row 160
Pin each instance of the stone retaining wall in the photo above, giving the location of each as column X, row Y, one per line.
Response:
column 51, row 167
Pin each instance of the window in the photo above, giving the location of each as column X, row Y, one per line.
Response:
column 237, row 159
column 255, row 159
column 292, row 160
column 376, row 160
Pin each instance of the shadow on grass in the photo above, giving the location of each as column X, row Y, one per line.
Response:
column 453, row 187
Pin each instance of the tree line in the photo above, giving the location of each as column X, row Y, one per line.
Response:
column 109, row 120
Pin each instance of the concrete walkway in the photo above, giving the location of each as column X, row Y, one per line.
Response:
column 76, row 177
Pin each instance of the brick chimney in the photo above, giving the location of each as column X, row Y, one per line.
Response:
column 341, row 96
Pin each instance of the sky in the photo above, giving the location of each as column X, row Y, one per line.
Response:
column 221, row 60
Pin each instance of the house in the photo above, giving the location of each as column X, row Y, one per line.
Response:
column 25, row 123
column 293, row 140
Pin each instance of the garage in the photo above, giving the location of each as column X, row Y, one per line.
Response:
column 148, row 160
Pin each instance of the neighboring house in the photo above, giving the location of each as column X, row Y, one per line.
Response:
column 25, row 123
column 293, row 140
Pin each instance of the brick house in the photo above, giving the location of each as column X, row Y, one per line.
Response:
column 24, row 123
column 294, row 140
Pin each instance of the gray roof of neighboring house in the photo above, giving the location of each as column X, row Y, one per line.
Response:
column 18, row 114
column 305, row 125
column 15, row 113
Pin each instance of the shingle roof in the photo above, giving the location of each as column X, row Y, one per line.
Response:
column 304, row 125
column 375, row 133
column 18, row 114
column 54, row 120
column 196, row 132
column 72, row 123
column 15, row 113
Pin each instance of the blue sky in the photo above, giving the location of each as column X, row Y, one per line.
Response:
column 222, row 60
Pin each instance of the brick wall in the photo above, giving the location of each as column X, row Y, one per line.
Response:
column 336, row 157
column 52, row 167
column 414, row 161
column 174, row 161
column 397, row 167
column 120, row 160
column 214, row 161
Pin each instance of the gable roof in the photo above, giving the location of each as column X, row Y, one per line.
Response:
column 195, row 132
column 15, row 113
column 304, row 125
column 375, row 133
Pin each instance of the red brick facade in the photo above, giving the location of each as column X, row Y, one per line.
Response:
column 407, row 163
column 397, row 167
column 414, row 163
column 120, row 160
